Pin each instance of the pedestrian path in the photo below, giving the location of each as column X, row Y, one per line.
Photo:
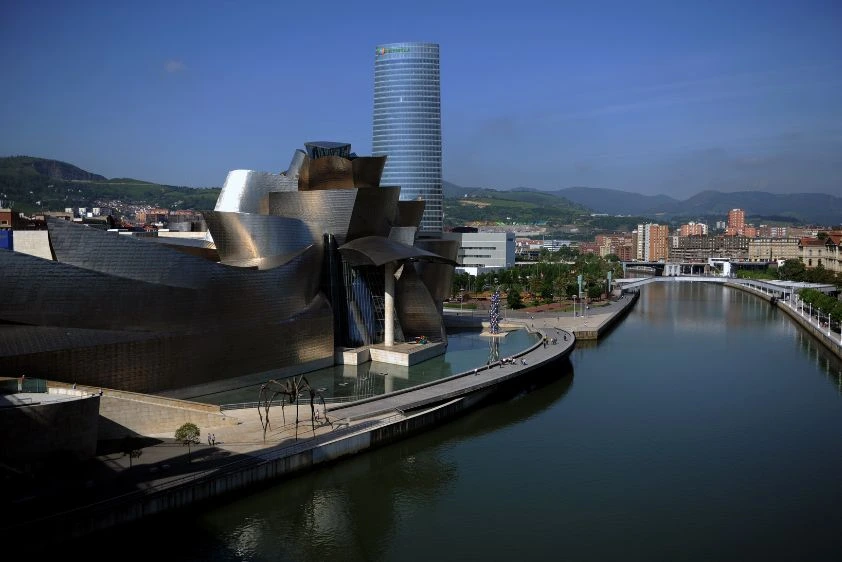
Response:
column 165, row 464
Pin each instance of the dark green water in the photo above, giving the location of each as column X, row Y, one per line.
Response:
column 706, row 426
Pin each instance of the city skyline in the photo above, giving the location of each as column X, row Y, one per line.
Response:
column 651, row 98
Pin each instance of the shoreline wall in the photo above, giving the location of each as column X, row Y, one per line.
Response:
column 830, row 343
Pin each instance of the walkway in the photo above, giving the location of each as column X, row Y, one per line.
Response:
column 115, row 479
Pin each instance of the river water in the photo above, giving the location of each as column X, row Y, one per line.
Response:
column 705, row 426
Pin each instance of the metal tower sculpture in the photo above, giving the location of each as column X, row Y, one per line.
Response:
column 494, row 312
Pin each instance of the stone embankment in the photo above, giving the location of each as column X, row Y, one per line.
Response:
column 829, row 339
column 248, row 452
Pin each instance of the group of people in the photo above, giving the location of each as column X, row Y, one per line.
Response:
column 211, row 438
column 511, row 361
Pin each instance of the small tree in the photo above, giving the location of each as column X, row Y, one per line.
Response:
column 131, row 448
column 189, row 435
column 513, row 299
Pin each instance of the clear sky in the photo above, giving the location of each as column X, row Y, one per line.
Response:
column 669, row 97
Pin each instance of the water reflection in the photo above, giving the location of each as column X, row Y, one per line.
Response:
column 466, row 349
column 350, row 510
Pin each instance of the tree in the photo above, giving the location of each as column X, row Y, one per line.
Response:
column 792, row 270
column 189, row 435
column 132, row 448
column 513, row 299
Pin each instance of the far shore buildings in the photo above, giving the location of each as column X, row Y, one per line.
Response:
column 651, row 242
column 693, row 229
column 481, row 252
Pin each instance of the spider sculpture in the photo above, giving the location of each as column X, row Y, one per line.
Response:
column 290, row 389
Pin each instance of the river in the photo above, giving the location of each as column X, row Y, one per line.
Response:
column 705, row 426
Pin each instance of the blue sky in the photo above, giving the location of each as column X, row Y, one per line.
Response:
column 654, row 97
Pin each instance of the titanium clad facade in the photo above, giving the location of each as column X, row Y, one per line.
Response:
column 407, row 124
column 249, row 240
column 418, row 313
column 290, row 274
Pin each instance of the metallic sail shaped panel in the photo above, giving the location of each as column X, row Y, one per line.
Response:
column 410, row 213
column 367, row 170
column 438, row 277
column 376, row 250
column 323, row 212
column 417, row 312
column 374, row 212
column 329, row 172
column 243, row 189
column 243, row 238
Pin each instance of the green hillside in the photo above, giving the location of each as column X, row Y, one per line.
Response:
column 30, row 183
column 516, row 206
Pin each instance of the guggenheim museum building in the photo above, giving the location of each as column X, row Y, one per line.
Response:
column 297, row 267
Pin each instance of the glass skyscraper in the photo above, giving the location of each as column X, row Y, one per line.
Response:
column 407, row 124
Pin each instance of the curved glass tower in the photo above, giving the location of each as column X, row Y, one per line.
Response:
column 407, row 124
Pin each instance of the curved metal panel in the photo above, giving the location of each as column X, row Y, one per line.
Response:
column 403, row 234
column 66, row 295
column 330, row 172
column 367, row 170
column 124, row 256
column 410, row 213
column 438, row 277
column 243, row 189
column 298, row 159
column 321, row 211
column 376, row 250
column 416, row 310
column 374, row 212
column 144, row 362
column 241, row 237
column 205, row 249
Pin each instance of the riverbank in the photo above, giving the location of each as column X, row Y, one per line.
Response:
column 168, row 477
column 591, row 324
column 828, row 339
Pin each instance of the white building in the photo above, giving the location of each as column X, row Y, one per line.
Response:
column 480, row 252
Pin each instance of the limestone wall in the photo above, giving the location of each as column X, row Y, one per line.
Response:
column 33, row 242
column 128, row 413
column 48, row 429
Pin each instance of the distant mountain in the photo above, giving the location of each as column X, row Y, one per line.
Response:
column 616, row 202
column 31, row 183
column 809, row 208
column 59, row 170
column 804, row 208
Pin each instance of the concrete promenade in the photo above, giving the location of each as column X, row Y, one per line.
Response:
column 114, row 489
column 800, row 314
column 589, row 324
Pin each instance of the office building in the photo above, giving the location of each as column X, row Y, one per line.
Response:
column 480, row 252
column 736, row 222
column 652, row 242
column 407, row 124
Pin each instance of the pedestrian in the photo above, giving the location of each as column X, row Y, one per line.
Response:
column 213, row 438
column 476, row 372
column 209, row 439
